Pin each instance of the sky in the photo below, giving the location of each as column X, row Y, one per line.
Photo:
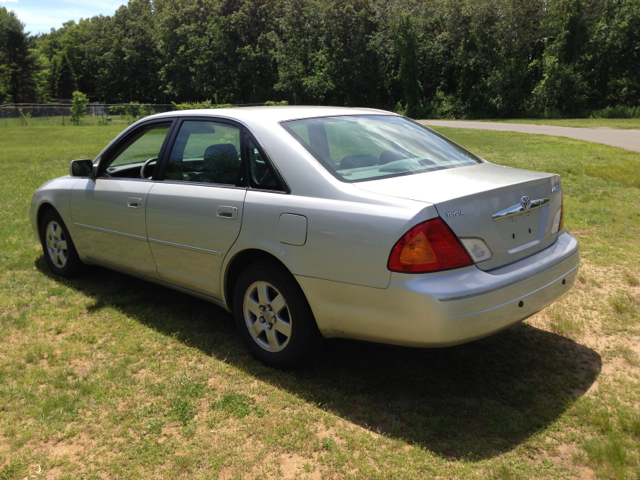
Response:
column 39, row 16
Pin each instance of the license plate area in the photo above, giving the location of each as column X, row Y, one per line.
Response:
column 520, row 231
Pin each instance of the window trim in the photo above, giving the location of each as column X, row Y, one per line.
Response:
column 160, row 174
column 124, row 143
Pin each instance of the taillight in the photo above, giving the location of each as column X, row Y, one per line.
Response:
column 428, row 247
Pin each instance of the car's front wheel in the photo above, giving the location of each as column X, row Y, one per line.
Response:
column 59, row 251
column 274, row 318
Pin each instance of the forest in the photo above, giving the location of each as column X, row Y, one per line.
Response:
column 424, row 58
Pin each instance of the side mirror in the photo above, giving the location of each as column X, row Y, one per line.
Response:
column 81, row 168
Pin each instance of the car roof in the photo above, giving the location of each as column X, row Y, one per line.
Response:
column 274, row 114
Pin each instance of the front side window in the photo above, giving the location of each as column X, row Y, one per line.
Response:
column 368, row 147
column 144, row 147
column 206, row 152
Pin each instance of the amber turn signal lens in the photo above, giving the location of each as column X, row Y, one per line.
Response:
column 428, row 247
column 417, row 251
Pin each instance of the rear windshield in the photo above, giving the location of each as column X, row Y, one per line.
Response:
column 368, row 147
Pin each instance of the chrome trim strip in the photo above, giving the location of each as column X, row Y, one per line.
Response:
column 112, row 232
column 201, row 184
column 506, row 285
column 516, row 299
column 185, row 247
column 126, row 178
column 519, row 208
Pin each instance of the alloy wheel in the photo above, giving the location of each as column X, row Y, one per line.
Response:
column 267, row 317
column 56, row 244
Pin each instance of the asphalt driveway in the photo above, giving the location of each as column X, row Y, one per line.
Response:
column 627, row 139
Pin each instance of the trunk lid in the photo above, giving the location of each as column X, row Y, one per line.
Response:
column 468, row 199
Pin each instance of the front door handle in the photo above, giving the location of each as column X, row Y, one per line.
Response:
column 134, row 202
column 227, row 212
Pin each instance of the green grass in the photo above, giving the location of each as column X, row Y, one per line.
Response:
column 109, row 376
column 622, row 123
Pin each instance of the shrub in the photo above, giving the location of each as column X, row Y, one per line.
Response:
column 199, row 105
column 24, row 117
column 619, row 111
column 78, row 107
column 208, row 104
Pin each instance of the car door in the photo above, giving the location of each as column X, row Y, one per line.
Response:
column 194, row 215
column 108, row 211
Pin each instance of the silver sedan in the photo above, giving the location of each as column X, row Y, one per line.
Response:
column 315, row 222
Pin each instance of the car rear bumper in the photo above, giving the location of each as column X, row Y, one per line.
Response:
column 448, row 308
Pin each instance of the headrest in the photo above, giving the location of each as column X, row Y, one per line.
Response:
column 220, row 148
column 391, row 156
column 357, row 161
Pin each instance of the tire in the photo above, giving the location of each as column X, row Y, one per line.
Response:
column 58, row 248
column 274, row 318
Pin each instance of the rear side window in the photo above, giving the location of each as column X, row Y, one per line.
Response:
column 367, row 147
column 261, row 173
column 206, row 152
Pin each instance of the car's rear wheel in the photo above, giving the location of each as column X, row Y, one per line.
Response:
column 274, row 318
column 59, row 251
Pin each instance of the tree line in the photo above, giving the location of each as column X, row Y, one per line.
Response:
column 439, row 58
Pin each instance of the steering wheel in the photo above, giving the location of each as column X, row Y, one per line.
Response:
column 144, row 166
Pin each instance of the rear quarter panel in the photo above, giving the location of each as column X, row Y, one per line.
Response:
column 349, row 238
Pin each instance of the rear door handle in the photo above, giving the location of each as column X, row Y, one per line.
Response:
column 134, row 202
column 227, row 212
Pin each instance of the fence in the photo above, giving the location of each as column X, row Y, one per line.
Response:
column 38, row 110
column 47, row 114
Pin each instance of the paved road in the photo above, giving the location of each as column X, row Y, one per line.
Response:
column 627, row 139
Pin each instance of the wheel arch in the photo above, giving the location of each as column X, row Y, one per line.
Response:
column 241, row 261
column 43, row 208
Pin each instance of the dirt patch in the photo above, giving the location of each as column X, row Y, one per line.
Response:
column 323, row 432
column 294, row 466
column 81, row 366
column 564, row 454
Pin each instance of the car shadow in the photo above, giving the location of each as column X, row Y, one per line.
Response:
column 472, row 401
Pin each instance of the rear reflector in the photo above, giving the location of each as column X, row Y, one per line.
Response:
column 557, row 221
column 428, row 247
column 561, row 213
column 478, row 250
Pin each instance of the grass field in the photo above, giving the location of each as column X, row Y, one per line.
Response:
column 106, row 376
column 57, row 121
column 623, row 123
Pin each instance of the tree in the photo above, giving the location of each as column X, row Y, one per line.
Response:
column 127, row 61
column 453, row 58
column 17, row 63
column 564, row 88
column 409, row 69
column 65, row 79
